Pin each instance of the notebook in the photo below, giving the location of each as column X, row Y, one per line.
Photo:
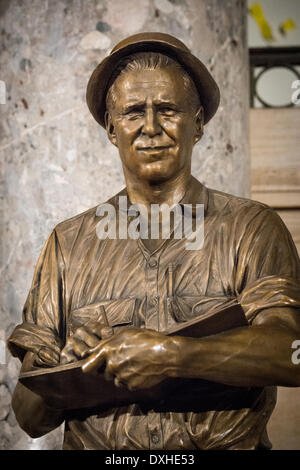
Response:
column 67, row 387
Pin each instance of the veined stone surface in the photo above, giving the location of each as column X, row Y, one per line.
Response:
column 56, row 161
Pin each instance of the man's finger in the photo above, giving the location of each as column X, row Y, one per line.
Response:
column 107, row 332
column 47, row 356
column 80, row 349
column 119, row 383
column 87, row 337
column 94, row 361
column 94, row 327
column 67, row 357
column 108, row 337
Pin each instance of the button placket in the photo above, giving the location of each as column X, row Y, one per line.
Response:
column 152, row 321
column 152, row 317
column 155, row 431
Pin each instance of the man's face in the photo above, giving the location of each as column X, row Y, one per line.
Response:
column 153, row 123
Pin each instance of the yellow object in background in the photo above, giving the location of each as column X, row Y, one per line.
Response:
column 258, row 14
column 287, row 25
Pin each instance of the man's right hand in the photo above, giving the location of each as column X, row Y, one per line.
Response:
column 83, row 340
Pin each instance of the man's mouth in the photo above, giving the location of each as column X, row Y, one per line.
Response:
column 154, row 148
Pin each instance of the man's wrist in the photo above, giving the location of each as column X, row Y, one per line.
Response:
column 183, row 350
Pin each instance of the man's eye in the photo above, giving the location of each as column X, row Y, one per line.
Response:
column 134, row 114
column 167, row 111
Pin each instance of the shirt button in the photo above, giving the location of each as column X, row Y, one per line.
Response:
column 155, row 437
column 152, row 263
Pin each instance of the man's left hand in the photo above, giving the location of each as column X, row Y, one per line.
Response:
column 137, row 358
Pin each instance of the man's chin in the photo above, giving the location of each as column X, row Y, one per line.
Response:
column 157, row 172
column 156, row 177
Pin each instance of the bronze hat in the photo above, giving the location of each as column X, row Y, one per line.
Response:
column 152, row 42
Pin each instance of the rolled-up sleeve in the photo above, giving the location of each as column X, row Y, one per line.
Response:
column 44, row 311
column 268, row 267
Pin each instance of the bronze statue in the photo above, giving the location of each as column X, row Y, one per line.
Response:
column 109, row 300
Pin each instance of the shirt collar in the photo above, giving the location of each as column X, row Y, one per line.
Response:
column 196, row 193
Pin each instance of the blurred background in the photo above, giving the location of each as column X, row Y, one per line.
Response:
column 57, row 162
column 274, row 53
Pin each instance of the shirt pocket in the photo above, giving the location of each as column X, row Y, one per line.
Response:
column 185, row 307
column 119, row 313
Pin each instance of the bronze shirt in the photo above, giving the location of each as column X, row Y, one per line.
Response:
column 248, row 255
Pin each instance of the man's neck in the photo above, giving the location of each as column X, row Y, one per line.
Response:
column 167, row 192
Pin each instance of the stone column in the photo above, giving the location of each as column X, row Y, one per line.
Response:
column 56, row 160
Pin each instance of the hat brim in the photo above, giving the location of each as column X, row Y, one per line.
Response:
column 97, row 86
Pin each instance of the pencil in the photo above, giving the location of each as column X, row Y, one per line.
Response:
column 103, row 315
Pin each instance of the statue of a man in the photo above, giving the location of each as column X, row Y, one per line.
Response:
column 154, row 98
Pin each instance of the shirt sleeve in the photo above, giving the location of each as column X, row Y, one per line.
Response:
column 268, row 267
column 44, row 311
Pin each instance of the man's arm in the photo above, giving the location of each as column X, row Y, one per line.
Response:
column 40, row 337
column 259, row 355
column 32, row 413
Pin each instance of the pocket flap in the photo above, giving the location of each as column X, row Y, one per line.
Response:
column 118, row 312
column 187, row 307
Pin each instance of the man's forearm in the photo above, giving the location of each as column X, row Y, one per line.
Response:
column 259, row 355
column 32, row 413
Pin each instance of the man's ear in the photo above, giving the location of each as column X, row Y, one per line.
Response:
column 110, row 128
column 199, row 123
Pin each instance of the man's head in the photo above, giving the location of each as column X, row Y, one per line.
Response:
column 164, row 85
column 153, row 115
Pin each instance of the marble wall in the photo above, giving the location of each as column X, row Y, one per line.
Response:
column 56, row 161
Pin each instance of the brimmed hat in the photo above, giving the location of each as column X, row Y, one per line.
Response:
column 151, row 42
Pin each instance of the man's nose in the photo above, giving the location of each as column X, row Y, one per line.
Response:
column 151, row 125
